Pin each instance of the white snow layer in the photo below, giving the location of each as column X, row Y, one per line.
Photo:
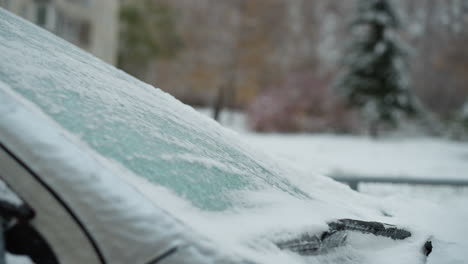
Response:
column 101, row 116
column 349, row 155
column 8, row 196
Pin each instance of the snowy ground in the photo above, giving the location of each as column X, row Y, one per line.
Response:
column 351, row 155
column 329, row 154
column 443, row 210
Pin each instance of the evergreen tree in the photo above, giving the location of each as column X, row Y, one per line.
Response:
column 374, row 79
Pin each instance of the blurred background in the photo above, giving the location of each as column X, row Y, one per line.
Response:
column 375, row 88
column 275, row 65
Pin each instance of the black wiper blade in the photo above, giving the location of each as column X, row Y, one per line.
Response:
column 309, row 245
column 375, row 228
column 336, row 236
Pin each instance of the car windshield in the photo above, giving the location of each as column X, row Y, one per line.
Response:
column 202, row 174
column 125, row 120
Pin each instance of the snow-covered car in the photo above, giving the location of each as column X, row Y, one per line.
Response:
column 98, row 167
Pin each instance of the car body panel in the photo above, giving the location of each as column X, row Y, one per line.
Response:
column 64, row 234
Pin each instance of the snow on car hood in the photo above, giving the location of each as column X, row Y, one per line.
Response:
column 126, row 143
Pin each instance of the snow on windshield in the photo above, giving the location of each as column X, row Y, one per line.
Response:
column 204, row 175
column 135, row 124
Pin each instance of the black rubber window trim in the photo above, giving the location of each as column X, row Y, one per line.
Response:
column 164, row 255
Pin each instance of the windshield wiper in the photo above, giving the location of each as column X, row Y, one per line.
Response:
column 309, row 245
column 375, row 228
column 337, row 234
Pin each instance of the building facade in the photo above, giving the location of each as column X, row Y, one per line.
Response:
column 89, row 24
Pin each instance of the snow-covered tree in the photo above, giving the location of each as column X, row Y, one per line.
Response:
column 375, row 75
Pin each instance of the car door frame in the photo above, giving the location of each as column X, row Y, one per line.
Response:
column 54, row 219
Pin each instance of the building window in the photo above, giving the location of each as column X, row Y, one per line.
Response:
column 84, row 33
column 41, row 15
column 44, row 14
column 74, row 30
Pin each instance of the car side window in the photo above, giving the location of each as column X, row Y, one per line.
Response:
column 17, row 235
